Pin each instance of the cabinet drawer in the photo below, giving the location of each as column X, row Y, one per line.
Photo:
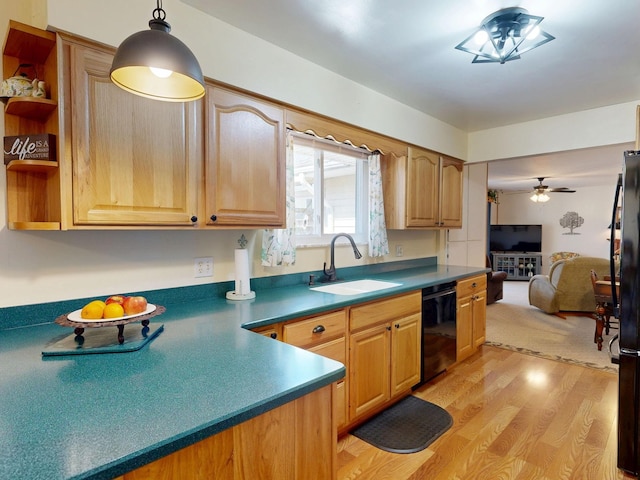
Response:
column 315, row 330
column 333, row 349
column 472, row 285
column 385, row 310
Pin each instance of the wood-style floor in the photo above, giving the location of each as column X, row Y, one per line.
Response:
column 515, row 417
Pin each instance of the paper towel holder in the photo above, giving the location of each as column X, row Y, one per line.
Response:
column 242, row 276
column 232, row 295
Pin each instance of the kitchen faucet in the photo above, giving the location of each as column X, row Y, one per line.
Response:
column 330, row 275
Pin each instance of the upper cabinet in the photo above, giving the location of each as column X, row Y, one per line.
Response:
column 422, row 190
column 134, row 161
column 245, row 160
column 33, row 186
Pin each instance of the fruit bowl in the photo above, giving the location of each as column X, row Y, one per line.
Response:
column 76, row 317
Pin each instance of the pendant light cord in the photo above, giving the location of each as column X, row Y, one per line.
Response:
column 158, row 12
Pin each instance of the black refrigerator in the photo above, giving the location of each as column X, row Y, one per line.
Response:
column 629, row 316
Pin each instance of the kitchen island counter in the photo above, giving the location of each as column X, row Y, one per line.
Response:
column 101, row 415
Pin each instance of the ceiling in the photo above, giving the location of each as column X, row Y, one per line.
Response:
column 405, row 50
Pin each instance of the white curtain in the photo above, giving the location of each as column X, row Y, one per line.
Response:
column 378, row 243
column 279, row 245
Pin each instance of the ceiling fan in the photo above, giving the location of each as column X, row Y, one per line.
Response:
column 540, row 191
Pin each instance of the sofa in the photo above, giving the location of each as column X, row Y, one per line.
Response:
column 494, row 283
column 568, row 287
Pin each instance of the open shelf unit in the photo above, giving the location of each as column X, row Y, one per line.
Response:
column 33, row 186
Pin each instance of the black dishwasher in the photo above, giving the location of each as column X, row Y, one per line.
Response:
column 438, row 329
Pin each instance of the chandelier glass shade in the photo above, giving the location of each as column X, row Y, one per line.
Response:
column 154, row 64
column 504, row 36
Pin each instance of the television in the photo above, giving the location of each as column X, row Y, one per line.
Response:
column 515, row 238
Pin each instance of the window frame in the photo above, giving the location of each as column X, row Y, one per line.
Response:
column 360, row 155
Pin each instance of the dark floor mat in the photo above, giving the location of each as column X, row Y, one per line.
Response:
column 408, row 426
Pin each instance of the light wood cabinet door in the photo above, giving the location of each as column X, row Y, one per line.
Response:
column 422, row 188
column 451, row 193
column 368, row 369
column 245, row 161
column 470, row 315
column 136, row 161
column 405, row 353
column 464, row 328
column 479, row 307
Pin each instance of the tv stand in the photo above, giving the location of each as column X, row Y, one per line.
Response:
column 519, row 266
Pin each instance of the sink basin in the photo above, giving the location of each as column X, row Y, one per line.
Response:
column 355, row 287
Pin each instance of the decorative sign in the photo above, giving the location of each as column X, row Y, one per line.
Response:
column 30, row 147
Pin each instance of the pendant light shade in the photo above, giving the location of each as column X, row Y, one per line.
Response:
column 156, row 65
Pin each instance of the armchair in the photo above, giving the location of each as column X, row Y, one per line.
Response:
column 568, row 287
column 494, row 283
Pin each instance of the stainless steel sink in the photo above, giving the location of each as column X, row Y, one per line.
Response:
column 355, row 287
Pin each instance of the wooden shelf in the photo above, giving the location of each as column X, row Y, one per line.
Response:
column 28, row 43
column 31, row 165
column 31, row 107
column 34, row 225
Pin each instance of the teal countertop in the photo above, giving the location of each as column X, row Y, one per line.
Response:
column 99, row 416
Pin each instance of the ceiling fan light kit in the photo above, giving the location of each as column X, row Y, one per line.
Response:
column 540, row 191
column 504, row 36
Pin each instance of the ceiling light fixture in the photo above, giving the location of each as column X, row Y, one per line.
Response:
column 539, row 197
column 504, row 36
column 154, row 64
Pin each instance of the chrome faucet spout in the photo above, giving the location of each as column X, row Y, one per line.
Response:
column 331, row 274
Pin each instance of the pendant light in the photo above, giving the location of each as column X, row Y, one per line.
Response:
column 154, row 64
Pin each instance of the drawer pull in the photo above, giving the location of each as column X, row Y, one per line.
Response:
column 318, row 329
column 274, row 335
column 474, row 284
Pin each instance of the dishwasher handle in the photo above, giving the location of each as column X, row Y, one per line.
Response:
column 442, row 293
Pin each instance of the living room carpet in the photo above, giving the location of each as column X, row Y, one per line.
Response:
column 515, row 325
column 409, row 426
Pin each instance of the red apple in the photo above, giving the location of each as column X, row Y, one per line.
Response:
column 134, row 305
column 115, row 299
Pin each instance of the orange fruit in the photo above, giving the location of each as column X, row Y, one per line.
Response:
column 92, row 310
column 113, row 310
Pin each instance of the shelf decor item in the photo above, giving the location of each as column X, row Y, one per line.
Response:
column 30, row 147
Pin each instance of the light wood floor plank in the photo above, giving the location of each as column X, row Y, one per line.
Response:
column 516, row 417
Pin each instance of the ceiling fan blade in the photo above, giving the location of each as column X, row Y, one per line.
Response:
column 562, row 190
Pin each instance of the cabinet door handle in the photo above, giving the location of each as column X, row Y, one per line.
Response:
column 274, row 335
column 397, row 325
column 389, row 328
column 319, row 329
column 213, row 218
column 194, row 219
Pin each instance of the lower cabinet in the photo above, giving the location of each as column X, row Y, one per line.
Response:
column 325, row 335
column 296, row 440
column 384, row 352
column 471, row 315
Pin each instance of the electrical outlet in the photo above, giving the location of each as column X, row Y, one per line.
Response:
column 399, row 251
column 203, row 267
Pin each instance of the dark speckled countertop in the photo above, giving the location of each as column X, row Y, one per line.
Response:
column 99, row 416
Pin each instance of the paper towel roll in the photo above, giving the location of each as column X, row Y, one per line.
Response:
column 242, row 272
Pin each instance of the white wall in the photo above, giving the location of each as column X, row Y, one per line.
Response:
column 610, row 125
column 594, row 204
